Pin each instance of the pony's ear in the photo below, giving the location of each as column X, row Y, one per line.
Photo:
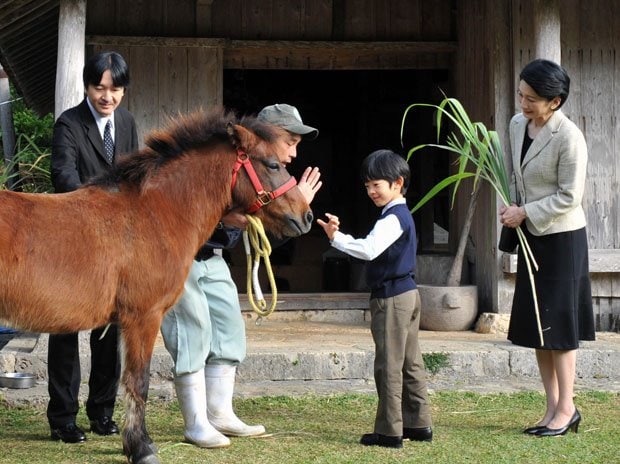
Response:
column 241, row 137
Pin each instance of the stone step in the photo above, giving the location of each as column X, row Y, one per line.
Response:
column 287, row 357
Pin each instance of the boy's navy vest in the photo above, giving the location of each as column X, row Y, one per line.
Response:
column 393, row 271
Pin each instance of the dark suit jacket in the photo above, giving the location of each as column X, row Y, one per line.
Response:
column 77, row 147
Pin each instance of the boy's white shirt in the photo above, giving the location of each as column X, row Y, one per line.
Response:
column 385, row 232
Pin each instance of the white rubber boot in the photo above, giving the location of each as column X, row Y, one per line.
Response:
column 220, row 382
column 190, row 390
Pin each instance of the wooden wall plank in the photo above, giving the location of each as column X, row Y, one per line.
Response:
column 280, row 19
column 318, row 20
column 614, row 316
column 287, row 19
column 98, row 16
column 601, row 201
column 226, row 18
column 141, row 18
column 602, row 284
column 205, row 77
column 359, row 19
column 178, row 18
column 437, row 20
column 256, row 19
column 523, row 34
column 405, row 21
column 572, row 60
column 143, row 94
column 601, row 308
column 173, row 97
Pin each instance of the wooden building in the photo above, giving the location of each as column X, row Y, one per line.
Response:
column 351, row 67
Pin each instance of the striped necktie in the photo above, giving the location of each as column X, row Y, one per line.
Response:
column 108, row 143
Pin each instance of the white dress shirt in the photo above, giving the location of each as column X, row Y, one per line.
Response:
column 385, row 232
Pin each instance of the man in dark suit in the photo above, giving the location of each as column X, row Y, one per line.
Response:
column 87, row 140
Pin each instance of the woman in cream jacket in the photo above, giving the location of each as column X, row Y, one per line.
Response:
column 549, row 160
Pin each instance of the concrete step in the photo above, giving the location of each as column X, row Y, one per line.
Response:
column 333, row 351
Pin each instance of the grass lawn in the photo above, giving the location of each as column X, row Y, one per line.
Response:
column 468, row 428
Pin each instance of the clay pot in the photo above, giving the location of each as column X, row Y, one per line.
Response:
column 448, row 308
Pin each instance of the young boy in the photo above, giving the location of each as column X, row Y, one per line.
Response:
column 390, row 247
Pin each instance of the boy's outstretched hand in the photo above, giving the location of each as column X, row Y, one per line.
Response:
column 330, row 227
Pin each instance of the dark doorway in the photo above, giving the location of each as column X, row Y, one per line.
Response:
column 356, row 113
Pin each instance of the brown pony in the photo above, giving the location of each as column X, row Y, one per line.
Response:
column 119, row 249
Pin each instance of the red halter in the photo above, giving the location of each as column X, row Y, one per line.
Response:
column 262, row 197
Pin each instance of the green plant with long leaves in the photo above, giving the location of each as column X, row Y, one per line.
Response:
column 28, row 170
column 479, row 156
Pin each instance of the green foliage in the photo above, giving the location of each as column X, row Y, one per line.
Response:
column 29, row 169
column 433, row 362
column 475, row 146
column 38, row 129
column 30, row 166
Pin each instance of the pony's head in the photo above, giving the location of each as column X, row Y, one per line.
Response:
column 262, row 185
column 196, row 153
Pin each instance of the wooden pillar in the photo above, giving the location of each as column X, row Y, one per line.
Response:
column 546, row 18
column 71, row 51
column 6, row 123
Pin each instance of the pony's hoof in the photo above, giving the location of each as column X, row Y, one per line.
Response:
column 149, row 459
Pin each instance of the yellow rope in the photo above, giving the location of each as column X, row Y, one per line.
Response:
column 255, row 236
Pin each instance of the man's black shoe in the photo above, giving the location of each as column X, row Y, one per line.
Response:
column 69, row 433
column 376, row 439
column 104, row 426
column 419, row 434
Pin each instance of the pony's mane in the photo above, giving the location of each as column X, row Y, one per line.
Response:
column 182, row 134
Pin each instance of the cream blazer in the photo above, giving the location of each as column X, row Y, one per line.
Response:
column 550, row 182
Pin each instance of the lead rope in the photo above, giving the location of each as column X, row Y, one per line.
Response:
column 255, row 236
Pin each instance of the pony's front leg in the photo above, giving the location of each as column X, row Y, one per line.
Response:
column 138, row 336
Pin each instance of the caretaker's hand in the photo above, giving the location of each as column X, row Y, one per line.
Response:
column 330, row 227
column 309, row 183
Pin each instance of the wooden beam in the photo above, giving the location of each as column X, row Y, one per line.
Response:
column 319, row 55
column 141, row 41
column 300, row 55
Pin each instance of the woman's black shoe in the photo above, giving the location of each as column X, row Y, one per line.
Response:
column 69, row 433
column 418, row 434
column 534, row 430
column 376, row 439
column 572, row 424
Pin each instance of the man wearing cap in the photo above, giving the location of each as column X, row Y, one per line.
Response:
column 205, row 331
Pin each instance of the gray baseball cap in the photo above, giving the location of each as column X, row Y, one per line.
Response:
column 287, row 117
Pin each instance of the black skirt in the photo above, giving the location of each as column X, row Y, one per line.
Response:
column 563, row 293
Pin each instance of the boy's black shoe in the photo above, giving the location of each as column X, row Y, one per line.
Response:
column 419, row 434
column 376, row 439
column 69, row 433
